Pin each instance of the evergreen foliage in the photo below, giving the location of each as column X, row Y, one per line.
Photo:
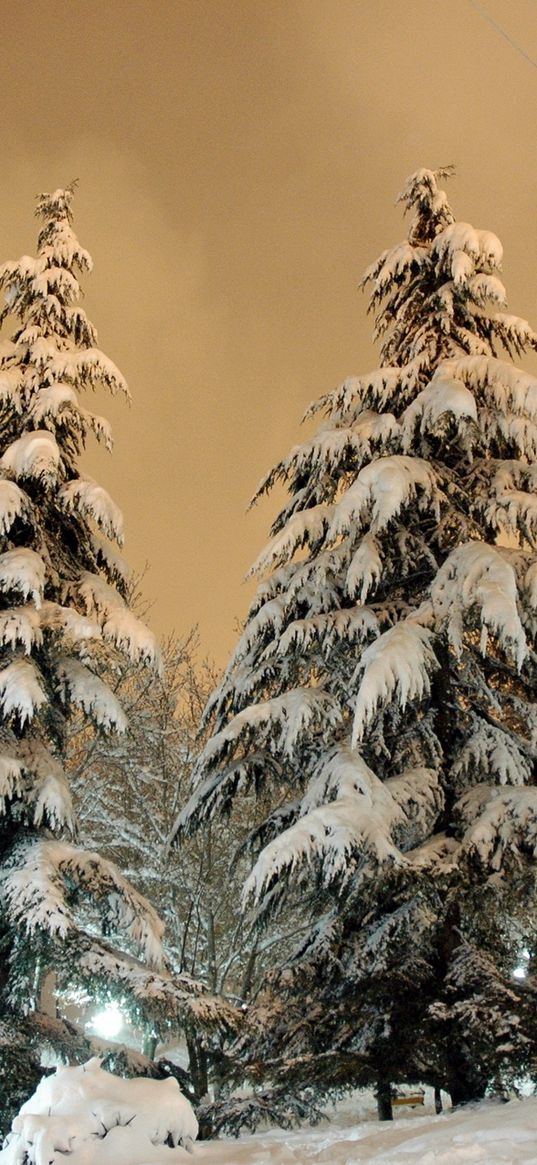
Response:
column 383, row 689
column 62, row 595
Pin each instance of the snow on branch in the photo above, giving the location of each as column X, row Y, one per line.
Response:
column 348, row 813
column 499, row 821
column 14, row 503
column 487, row 289
column 55, row 206
column 114, row 565
column 505, row 387
column 21, row 691
column 23, row 570
column 58, row 242
column 444, row 395
column 214, row 793
column 90, row 366
column 488, row 751
column 267, row 622
column 91, row 500
column 74, row 626
column 479, row 580
column 21, row 625
column 342, row 773
column 46, row 788
column 79, row 685
column 421, row 192
column 98, row 596
column 11, row 772
column 462, row 249
column 438, row 855
column 51, row 279
column 305, row 528
column 99, row 426
column 314, row 583
column 506, row 429
column 53, row 403
column 512, row 508
column 351, row 624
column 285, row 719
column 329, row 835
column 37, row 889
column 529, row 585
column 34, row 455
column 381, row 490
column 398, row 664
column 132, row 636
column 513, row 332
column 358, row 823
column 383, row 940
column 165, row 996
column 53, row 400
column 365, row 569
column 401, row 261
column 420, row 795
column 332, row 447
column 357, row 393
column 14, row 273
column 117, row 622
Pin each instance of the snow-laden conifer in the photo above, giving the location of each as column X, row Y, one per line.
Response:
column 382, row 690
column 61, row 595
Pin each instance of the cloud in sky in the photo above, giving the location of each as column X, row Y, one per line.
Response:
column 238, row 165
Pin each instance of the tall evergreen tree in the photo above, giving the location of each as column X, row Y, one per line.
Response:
column 383, row 687
column 62, row 593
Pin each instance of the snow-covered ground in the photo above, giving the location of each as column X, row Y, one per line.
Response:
column 490, row 1133
column 93, row 1118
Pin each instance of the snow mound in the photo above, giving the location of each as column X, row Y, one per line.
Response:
column 97, row 1118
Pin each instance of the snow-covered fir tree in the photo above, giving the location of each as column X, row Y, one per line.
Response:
column 383, row 688
column 62, row 594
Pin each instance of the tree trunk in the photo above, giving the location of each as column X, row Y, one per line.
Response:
column 47, row 995
column 211, row 953
column 384, row 1100
column 197, row 1064
column 248, row 977
column 6, row 953
column 149, row 1044
column 465, row 1085
column 438, row 1107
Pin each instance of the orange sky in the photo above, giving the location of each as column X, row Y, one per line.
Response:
column 238, row 164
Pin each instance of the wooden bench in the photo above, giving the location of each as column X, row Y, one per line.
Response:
column 413, row 1100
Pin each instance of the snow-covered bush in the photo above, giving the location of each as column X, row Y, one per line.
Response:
column 382, row 693
column 96, row 1118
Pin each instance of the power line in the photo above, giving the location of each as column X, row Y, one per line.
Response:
column 518, row 48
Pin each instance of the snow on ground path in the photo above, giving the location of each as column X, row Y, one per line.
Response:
column 489, row 1134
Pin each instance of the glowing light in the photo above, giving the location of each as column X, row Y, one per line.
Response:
column 108, row 1022
column 522, row 969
